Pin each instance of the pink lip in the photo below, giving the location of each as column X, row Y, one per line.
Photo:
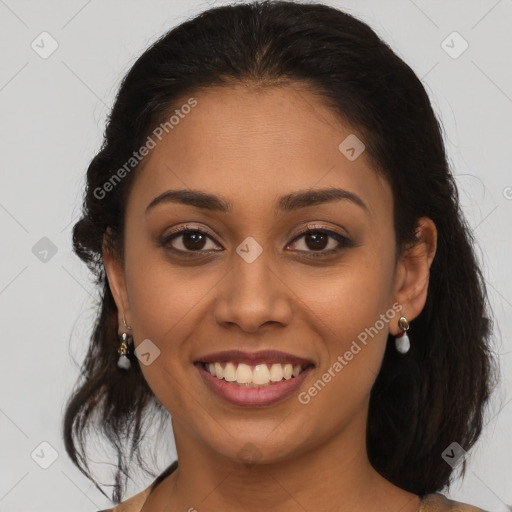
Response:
column 249, row 397
column 253, row 358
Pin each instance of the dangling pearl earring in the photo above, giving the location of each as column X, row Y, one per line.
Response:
column 123, row 361
column 402, row 342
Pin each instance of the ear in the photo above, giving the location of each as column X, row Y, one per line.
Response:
column 413, row 272
column 115, row 274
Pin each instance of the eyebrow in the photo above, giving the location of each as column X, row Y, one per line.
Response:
column 288, row 203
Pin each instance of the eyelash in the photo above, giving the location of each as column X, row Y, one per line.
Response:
column 342, row 240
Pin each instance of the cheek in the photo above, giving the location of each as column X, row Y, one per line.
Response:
column 351, row 309
column 352, row 314
column 350, row 297
column 163, row 296
column 165, row 302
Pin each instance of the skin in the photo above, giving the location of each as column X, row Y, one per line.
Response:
column 252, row 145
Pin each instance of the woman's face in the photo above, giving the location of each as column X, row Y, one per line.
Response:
column 251, row 281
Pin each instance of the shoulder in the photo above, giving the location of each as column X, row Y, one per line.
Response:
column 436, row 502
column 133, row 504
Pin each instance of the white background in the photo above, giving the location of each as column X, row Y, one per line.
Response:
column 52, row 118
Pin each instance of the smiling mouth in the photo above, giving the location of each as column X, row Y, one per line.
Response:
column 253, row 376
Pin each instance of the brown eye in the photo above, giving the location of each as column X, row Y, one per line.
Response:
column 317, row 241
column 191, row 241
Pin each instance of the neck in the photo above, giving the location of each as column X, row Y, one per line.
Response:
column 336, row 476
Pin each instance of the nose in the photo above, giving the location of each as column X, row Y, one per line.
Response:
column 253, row 295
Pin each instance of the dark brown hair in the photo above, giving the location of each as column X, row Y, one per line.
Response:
column 420, row 402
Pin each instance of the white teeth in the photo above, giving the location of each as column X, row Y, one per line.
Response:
column 243, row 374
column 259, row 374
column 276, row 373
column 229, row 372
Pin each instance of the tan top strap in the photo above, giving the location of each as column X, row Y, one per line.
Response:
column 436, row 502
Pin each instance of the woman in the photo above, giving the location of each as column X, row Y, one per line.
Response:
column 278, row 239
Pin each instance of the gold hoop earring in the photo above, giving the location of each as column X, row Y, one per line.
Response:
column 126, row 326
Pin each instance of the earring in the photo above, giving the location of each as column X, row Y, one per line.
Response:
column 402, row 342
column 126, row 326
column 123, row 361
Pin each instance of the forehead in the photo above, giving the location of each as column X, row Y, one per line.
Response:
column 254, row 145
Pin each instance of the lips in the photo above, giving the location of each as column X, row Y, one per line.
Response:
column 241, row 387
column 242, row 396
column 254, row 358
